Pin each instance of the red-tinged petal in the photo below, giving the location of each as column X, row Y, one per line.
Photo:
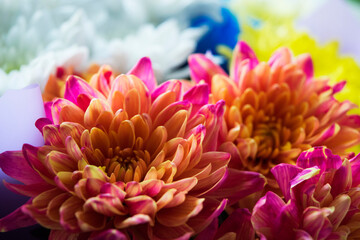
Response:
column 88, row 187
column 58, row 161
column 113, row 190
column 238, row 222
column 174, row 86
column 355, row 170
column 242, row 52
column 109, row 234
column 209, row 232
column 283, row 173
column 76, row 86
column 202, row 68
column 40, row 216
column 343, row 179
column 90, row 221
column 42, row 122
column 126, row 222
column 91, row 171
column 266, row 210
column 30, row 190
column 141, row 205
column 106, row 205
column 170, row 110
column 212, row 181
column 341, row 206
column 57, row 107
column 316, row 224
column 303, row 235
column 280, row 58
column 143, row 70
column 133, row 189
column 12, row 161
column 339, row 86
column 185, row 184
column 15, row 220
column 238, row 184
column 304, row 175
column 151, row 187
column 198, row 96
column 180, row 214
column 205, row 217
column 320, row 157
column 305, row 62
column 52, row 136
column 67, row 213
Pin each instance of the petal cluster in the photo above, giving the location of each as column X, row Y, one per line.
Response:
column 125, row 158
column 276, row 109
column 321, row 199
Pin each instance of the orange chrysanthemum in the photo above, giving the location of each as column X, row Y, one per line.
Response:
column 277, row 109
column 124, row 159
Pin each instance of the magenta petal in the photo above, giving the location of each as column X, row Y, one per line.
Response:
column 109, row 234
column 283, row 173
column 306, row 174
column 14, row 220
column 202, row 68
column 42, row 122
column 171, row 85
column 338, row 86
column 198, row 96
column 305, row 62
column 301, row 234
column 76, row 86
column 143, row 70
column 319, row 156
column 246, row 183
column 209, row 232
column 11, row 162
column 355, row 169
column 238, row 222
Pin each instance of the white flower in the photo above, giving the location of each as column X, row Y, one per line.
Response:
column 38, row 36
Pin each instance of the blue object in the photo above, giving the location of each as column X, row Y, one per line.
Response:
column 223, row 32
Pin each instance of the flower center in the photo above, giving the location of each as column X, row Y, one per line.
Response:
column 126, row 164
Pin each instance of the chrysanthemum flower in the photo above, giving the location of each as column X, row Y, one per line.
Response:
column 126, row 159
column 277, row 109
column 321, row 199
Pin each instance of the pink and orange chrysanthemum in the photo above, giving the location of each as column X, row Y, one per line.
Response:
column 276, row 109
column 124, row 158
column 321, row 199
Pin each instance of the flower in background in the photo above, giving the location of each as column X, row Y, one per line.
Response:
column 321, row 199
column 124, row 158
column 39, row 37
column 333, row 53
column 277, row 109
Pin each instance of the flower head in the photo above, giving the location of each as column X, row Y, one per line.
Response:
column 277, row 109
column 125, row 158
column 321, row 199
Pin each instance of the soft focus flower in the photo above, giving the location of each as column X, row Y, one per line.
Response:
column 277, row 109
column 333, row 52
column 37, row 37
column 124, row 158
column 321, row 199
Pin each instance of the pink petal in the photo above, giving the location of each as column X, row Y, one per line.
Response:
column 243, row 55
column 355, row 170
column 76, row 87
column 143, row 70
column 198, row 96
column 202, row 68
column 305, row 62
column 171, row 85
column 246, row 183
column 11, row 162
column 238, row 222
column 338, row 86
column 16, row 219
column 283, row 173
column 319, row 156
column 209, row 232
